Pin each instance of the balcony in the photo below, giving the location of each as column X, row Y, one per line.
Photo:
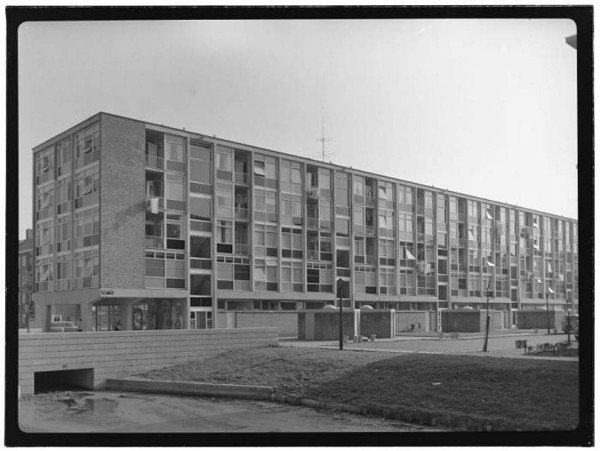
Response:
column 312, row 255
column 241, row 249
column 313, row 192
column 241, row 177
column 155, row 242
column 241, row 213
column 155, row 162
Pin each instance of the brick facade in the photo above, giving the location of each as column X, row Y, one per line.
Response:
column 122, row 206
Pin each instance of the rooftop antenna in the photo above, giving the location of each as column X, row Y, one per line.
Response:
column 322, row 139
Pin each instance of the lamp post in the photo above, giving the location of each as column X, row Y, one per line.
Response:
column 568, row 320
column 340, row 283
column 487, row 319
column 547, row 313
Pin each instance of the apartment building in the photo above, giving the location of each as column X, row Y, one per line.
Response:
column 25, row 272
column 143, row 226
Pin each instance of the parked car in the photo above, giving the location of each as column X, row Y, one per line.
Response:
column 62, row 326
column 571, row 324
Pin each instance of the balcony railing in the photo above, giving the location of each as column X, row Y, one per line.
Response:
column 241, row 213
column 241, row 249
column 241, row 177
column 155, row 162
column 155, row 242
column 312, row 255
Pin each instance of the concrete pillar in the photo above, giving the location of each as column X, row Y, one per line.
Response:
column 85, row 314
column 44, row 316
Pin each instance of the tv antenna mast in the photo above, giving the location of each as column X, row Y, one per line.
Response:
column 322, row 139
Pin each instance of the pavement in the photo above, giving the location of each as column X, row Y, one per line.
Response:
column 114, row 412
column 499, row 345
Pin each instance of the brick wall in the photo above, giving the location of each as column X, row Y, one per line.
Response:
column 404, row 321
column 122, row 207
column 378, row 322
column 539, row 319
column 325, row 324
column 120, row 354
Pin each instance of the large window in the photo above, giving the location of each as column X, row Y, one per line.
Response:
column 87, row 146
column 265, row 275
column 224, row 163
column 200, row 168
column 44, row 166
column 87, row 268
column 87, row 228
column 175, row 154
column 44, row 202
column 291, row 276
column 63, row 157
column 200, row 252
column 291, row 243
column 265, row 205
column 87, row 186
column 175, row 192
column 265, row 240
column 200, row 285
column 200, row 208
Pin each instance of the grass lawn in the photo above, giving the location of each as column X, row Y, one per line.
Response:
column 511, row 394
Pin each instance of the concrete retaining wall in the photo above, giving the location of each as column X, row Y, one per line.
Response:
column 286, row 322
column 120, row 354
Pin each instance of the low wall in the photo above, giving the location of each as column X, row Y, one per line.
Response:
column 286, row 322
column 413, row 321
column 321, row 325
column 539, row 319
column 470, row 320
column 120, row 354
column 378, row 322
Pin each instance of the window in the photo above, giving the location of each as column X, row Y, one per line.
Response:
column 200, row 285
column 224, row 162
column 200, row 169
column 175, row 192
column 265, row 205
column 87, row 228
column 224, row 200
column 175, row 153
column 200, row 252
column 387, row 281
column 63, row 240
column 265, row 275
column 87, row 185
column 291, row 276
column 200, row 208
column 405, row 198
column 265, row 240
column 87, row 269
column 359, row 188
column 63, row 157
column 342, row 193
column 291, row 243
column 87, row 146
column 44, row 202
column 225, row 237
column 319, row 277
column 365, row 279
column 387, row 254
column 63, row 272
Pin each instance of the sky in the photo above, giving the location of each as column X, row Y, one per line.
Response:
column 481, row 107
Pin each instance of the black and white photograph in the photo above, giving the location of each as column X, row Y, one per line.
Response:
column 299, row 226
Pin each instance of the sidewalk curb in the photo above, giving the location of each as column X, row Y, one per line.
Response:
column 191, row 388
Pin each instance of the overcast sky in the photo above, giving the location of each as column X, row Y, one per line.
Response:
column 482, row 107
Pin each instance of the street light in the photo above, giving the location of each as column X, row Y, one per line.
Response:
column 340, row 283
column 487, row 319
column 548, row 290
